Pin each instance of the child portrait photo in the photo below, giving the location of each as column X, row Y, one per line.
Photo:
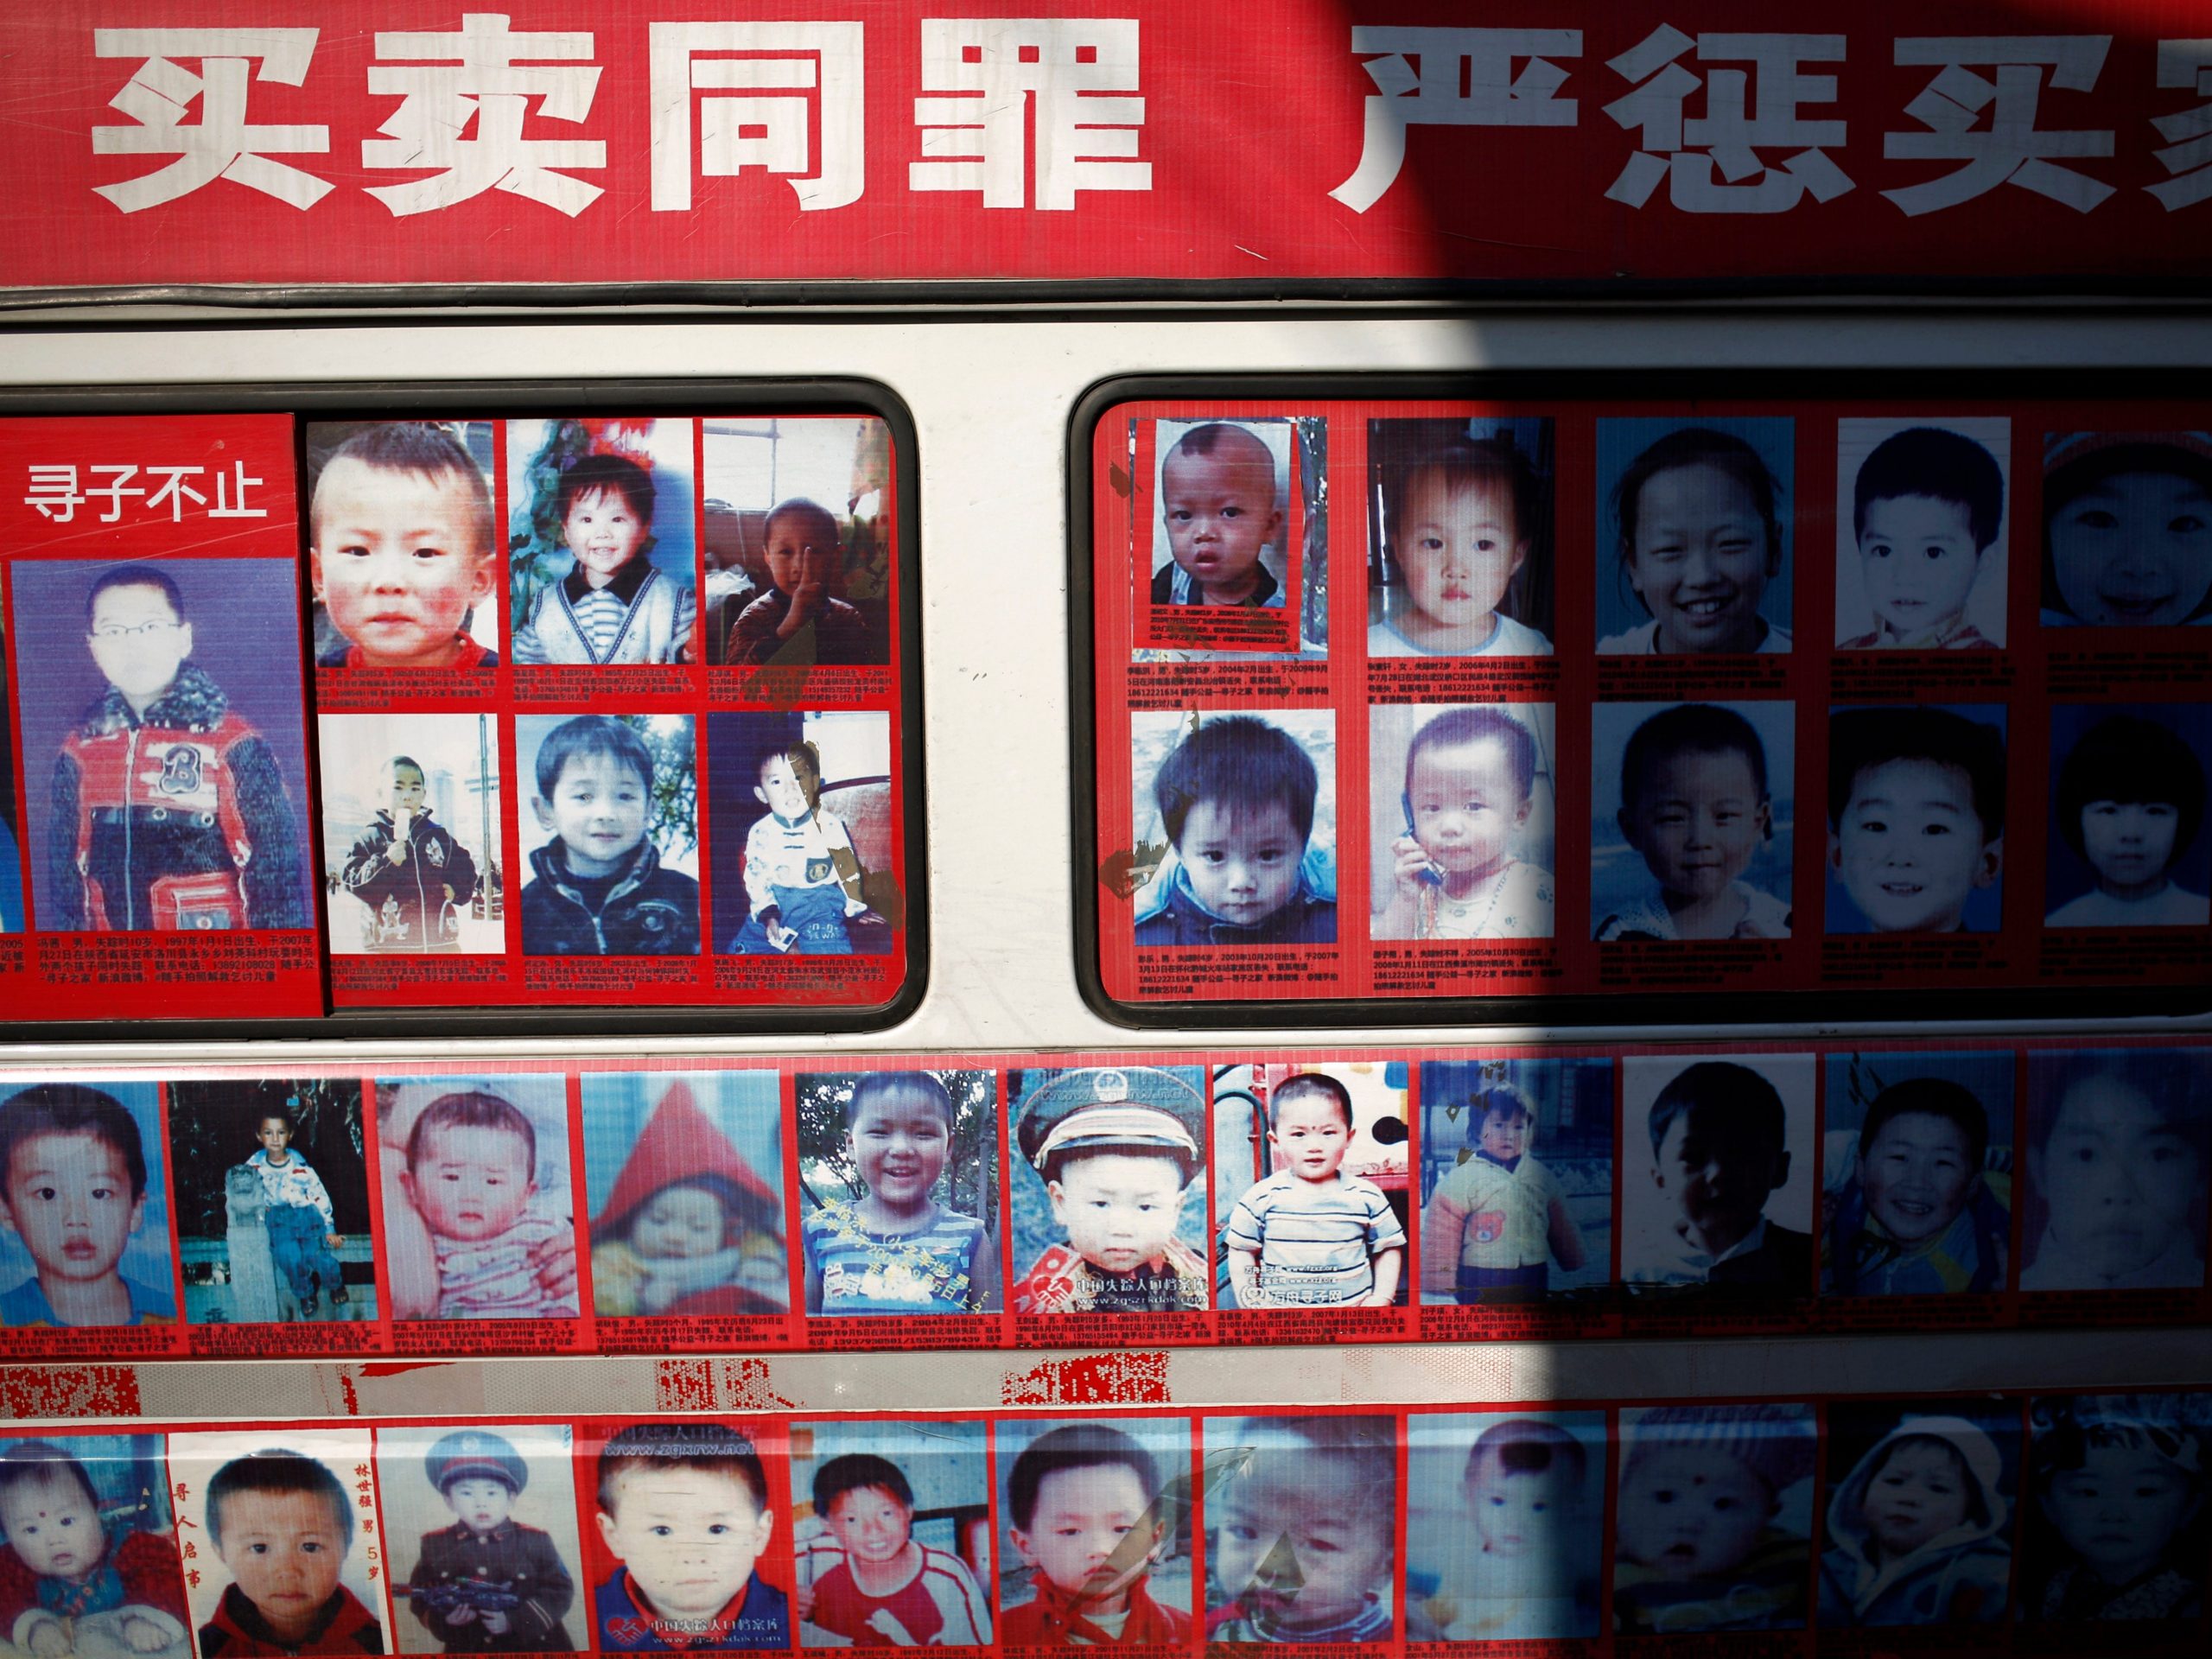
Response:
column 1463, row 820
column 1310, row 1185
column 2114, row 1529
column 1459, row 554
column 684, row 1524
column 1505, row 1522
column 1920, row 554
column 891, row 1524
column 478, row 1217
column 1302, row 1519
column 2127, row 810
column 1726, row 1199
column 1917, row 1175
column 88, row 1551
column 685, row 1174
column 601, row 560
column 287, row 1539
column 2127, row 530
column 1917, row 819
column 1712, row 1521
column 612, row 835
column 272, row 1201
column 484, row 1551
column 899, row 1187
column 1517, row 1179
column 403, row 553
column 1692, row 820
column 800, row 541
column 801, row 806
column 1109, row 1190
column 410, row 834
column 163, row 744
column 1694, row 536
column 84, row 1208
column 1921, row 1504
column 1236, row 816
column 2117, row 1140
column 1096, row 1528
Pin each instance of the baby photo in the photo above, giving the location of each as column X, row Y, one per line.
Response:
column 1096, row 1539
column 685, row 1175
column 482, row 1522
column 1301, row 1516
column 88, row 1555
column 1729, row 1199
column 800, row 541
column 1462, row 820
column 2116, row 1527
column 410, row 834
column 1516, row 1179
column 2127, row 802
column 899, row 1190
column 477, row 1219
column 1309, row 1184
column 285, row 1524
column 1459, row 556
column 1236, row 818
column 403, row 552
column 683, row 1515
column 612, row 835
column 1694, row 536
column 2118, row 1142
column 84, row 1217
column 1920, row 560
column 1109, row 1190
column 1916, row 819
column 1916, row 1173
column 801, row 806
column 892, row 1524
column 163, row 744
column 601, row 563
column 2127, row 530
column 1226, row 529
column 1505, row 1522
column 1692, row 820
column 272, row 1201
column 1921, row 1501
column 1712, row 1526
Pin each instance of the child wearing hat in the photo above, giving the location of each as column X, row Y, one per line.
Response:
column 487, row 1584
column 1115, row 1148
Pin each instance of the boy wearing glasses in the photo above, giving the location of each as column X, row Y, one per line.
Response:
column 169, row 812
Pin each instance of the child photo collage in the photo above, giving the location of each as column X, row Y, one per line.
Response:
column 606, row 710
column 986, row 1202
column 1397, row 699
column 1991, row 1523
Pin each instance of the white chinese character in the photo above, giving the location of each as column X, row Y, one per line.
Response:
column 54, row 492
column 175, row 490
column 230, row 503
column 1417, row 84
column 1004, row 74
column 1689, row 151
column 808, row 62
column 2188, row 154
column 2009, row 150
column 114, row 491
column 488, row 87
column 220, row 145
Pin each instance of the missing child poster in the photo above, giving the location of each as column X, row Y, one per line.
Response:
column 1973, row 1523
column 155, row 851
column 1812, row 699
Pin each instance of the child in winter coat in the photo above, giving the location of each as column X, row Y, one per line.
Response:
column 1916, row 1533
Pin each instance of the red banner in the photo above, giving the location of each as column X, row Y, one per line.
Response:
column 1282, row 143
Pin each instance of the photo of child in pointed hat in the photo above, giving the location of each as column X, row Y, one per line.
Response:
column 684, row 1175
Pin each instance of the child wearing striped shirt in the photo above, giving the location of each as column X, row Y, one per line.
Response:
column 614, row 606
column 1310, row 1235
